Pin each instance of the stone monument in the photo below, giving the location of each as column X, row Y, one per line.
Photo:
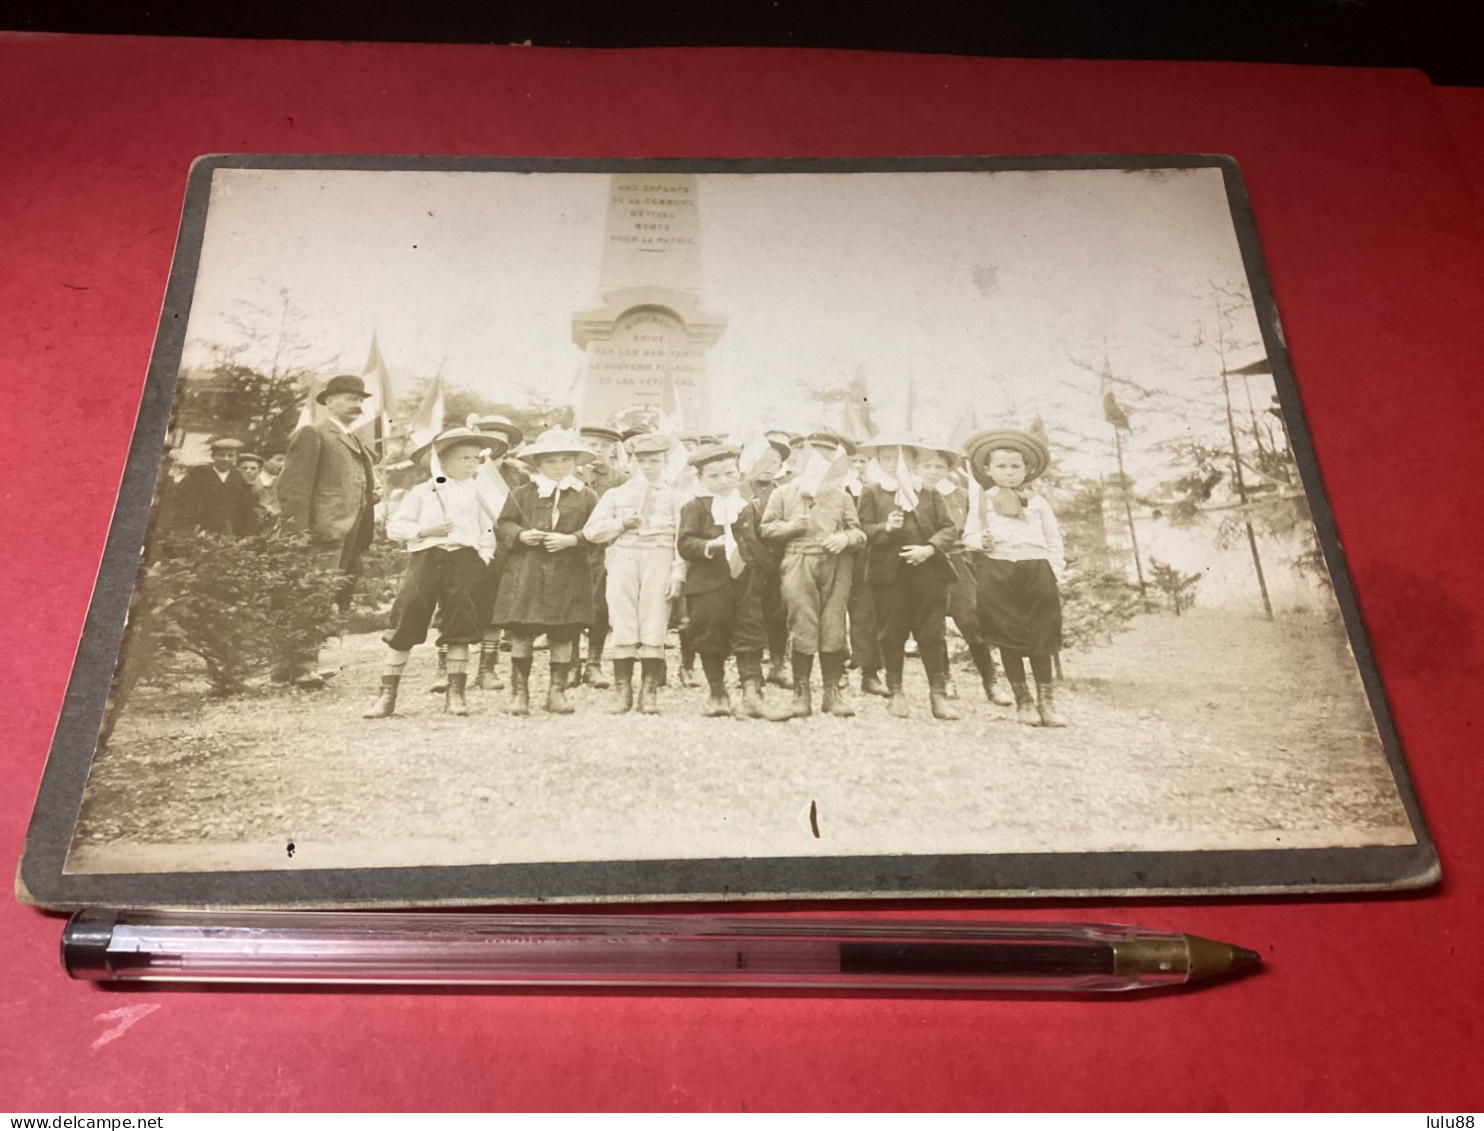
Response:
column 646, row 345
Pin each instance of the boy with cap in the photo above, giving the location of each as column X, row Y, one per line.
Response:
column 637, row 522
column 547, row 584
column 910, row 535
column 814, row 521
column 762, row 479
column 724, row 582
column 860, row 614
column 215, row 497
column 1020, row 562
column 603, row 474
column 933, row 467
column 449, row 532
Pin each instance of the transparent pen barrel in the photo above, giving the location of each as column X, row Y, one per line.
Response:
column 637, row 950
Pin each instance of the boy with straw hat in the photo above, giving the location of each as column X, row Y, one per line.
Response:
column 637, row 521
column 1020, row 562
column 547, row 585
column 449, row 532
column 910, row 536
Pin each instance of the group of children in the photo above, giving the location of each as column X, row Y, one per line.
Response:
column 800, row 542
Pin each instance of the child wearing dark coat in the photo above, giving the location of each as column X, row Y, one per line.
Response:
column 909, row 535
column 1020, row 562
column 933, row 467
column 547, row 584
column 724, row 583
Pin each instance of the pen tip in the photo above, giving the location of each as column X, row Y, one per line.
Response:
column 1243, row 959
column 1209, row 958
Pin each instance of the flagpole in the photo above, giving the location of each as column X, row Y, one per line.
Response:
column 1128, row 511
column 1231, row 427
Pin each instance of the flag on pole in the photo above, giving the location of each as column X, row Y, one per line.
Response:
column 968, row 425
column 313, row 412
column 906, row 494
column 822, row 473
column 427, row 420
column 1112, row 412
column 911, row 410
column 376, row 410
column 855, row 411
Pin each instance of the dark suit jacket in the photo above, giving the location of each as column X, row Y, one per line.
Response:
column 928, row 525
column 697, row 528
column 325, row 487
column 203, row 501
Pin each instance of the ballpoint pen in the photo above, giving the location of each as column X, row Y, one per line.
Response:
column 634, row 950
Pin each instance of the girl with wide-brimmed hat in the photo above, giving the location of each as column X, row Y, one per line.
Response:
column 547, row 584
column 1019, row 565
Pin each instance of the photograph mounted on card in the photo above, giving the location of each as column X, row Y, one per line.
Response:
column 503, row 531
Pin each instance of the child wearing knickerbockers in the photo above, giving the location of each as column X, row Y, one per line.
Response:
column 637, row 522
column 450, row 533
column 910, row 535
column 1018, row 566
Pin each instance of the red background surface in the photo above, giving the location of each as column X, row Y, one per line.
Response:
column 1374, row 246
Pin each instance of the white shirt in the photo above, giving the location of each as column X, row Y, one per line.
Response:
column 1034, row 535
column 659, row 524
column 431, row 504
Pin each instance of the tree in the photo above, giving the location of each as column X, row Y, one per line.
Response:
column 1098, row 600
column 254, row 388
column 233, row 607
column 1178, row 588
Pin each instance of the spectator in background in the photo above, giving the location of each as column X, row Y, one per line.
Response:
column 214, row 497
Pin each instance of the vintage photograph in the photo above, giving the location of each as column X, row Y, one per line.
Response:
column 779, row 517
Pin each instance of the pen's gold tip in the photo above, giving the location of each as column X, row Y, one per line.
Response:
column 1209, row 958
column 1244, row 959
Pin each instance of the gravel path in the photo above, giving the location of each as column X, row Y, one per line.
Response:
column 1209, row 731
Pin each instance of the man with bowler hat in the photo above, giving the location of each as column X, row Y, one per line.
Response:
column 327, row 490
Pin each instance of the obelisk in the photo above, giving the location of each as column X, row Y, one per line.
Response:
column 646, row 345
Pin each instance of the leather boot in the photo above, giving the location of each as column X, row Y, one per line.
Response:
column 778, row 673
column 754, row 706
column 938, row 697
column 623, row 688
column 386, row 701
column 994, row 690
column 1025, row 706
column 1046, row 705
column 686, row 673
column 832, row 671
column 440, row 682
column 803, row 702
column 652, row 673
column 520, row 685
column 594, row 677
column 720, row 704
column 556, row 694
column 896, row 701
column 871, row 684
column 453, row 701
column 487, row 677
